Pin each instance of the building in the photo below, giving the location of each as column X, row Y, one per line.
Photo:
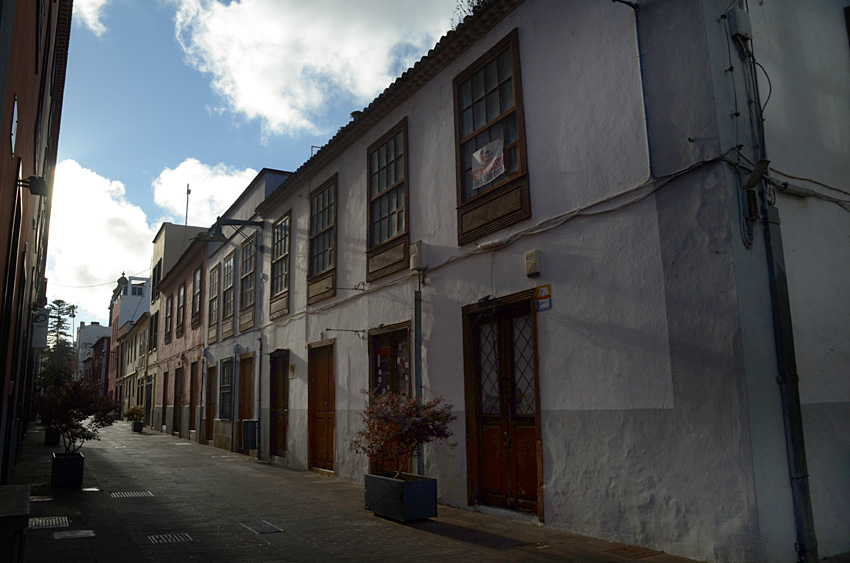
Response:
column 180, row 351
column 33, row 57
column 130, row 301
column 601, row 285
column 168, row 245
column 133, row 348
column 100, row 363
column 86, row 336
column 234, row 317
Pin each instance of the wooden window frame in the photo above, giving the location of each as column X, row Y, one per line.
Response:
column 393, row 253
column 281, row 258
column 225, row 389
column 169, row 303
column 507, row 201
column 181, row 309
column 322, row 285
column 247, row 282
column 225, row 286
column 197, row 281
column 213, row 301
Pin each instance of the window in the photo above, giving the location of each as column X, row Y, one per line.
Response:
column 225, row 404
column 168, row 303
column 490, row 143
column 227, row 296
column 390, row 351
column 156, row 275
column 388, row 196
column 213, row 305
column 246, row 283
column 181, row 305
column 138, row 290
column 196, row 296
column 279, row 303
column 322, row 231
column 153, row 330
column 142, row 338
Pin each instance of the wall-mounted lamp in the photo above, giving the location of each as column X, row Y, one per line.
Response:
column 756, row 175
column 215, row 233
column 35, row 184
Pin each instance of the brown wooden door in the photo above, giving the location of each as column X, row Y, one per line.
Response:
column 279, row 385
column 209, row 410
column 165, row 399
column 320, row 407
column 390, row 372
column 178, row 400
column 193, row 395
column 246, row 396
column 506, row 405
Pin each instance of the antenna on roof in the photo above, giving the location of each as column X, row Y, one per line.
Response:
column 188, row 191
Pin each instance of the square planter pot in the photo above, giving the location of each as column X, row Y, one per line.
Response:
column 138, row 425
column 409, row 498
column 67, row 470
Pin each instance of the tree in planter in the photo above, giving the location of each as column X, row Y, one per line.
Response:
column 135, row 414
column 78, row 412
column 395, row 426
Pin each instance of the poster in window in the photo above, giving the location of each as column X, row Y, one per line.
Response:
column 488, row 163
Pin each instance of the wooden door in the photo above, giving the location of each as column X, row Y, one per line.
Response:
column 279, row 385
column 246, row 396
column 178, row 401
column 193, row 395
column 209, row 409
column 320, row 405
column 390, row 371
column 504, row 407
column 148, row 399
column 165, row 399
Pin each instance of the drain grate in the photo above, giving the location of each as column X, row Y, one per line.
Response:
column 633, row 552
column 170, row 538
column 48, row 522
column 131, row 494
column 262, row 527
column 40, row 498
column 71, row 534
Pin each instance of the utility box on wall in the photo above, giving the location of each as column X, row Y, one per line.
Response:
column 249, row 434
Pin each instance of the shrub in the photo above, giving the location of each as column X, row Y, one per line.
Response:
column 395, row 426
column 135, row 414
column 78, row 412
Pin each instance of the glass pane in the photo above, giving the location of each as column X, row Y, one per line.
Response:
column 382, row 156
column 510, row 129
column 512, row 163
column 391, row 174
column 401, row 221
column 376, row 232
column 382, row 180
column 330, row 192
column 373, row 162
column 483, row 138
column 504, row 63
column 490, row 77
column 523, row 365
column 402, row 364
column 488, row 366
column 392, row 200
column 390, row 150
column 399, row 145
column 464, row 95
column 384, row 228
column 492, row 105
column 478, row 86
column 400, row 191
column 506, row 95
column 374, row 189
column 399, row 168
column 466, row 123
column 479, row 115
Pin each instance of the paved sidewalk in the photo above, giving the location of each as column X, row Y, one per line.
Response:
column 153, row 497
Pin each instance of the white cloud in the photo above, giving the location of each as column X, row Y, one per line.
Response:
column 90, row 13
column 285, row 61
column 95, row 234
column 214, row 189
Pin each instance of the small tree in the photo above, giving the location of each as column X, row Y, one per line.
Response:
column 78, row 412
column 135, row 414
column 395, row 426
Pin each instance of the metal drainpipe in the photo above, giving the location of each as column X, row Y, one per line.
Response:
column 792, row 416
column 417, row 360
column 259, row 393
column 233, row 388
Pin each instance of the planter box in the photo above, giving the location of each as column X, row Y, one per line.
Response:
column 138, row 425
column 406, row 499
column 67, row 470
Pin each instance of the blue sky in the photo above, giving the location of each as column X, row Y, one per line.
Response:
column 162, row 93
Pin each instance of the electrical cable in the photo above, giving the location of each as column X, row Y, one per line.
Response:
column 95, row 285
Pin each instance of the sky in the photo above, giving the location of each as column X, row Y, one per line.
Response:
column 164, row 93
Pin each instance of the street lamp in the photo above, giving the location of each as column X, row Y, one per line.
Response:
column 215, row 233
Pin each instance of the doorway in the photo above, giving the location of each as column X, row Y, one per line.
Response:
column 504, row 448
column 320, row 405
column 209, row 409
column 279, row 385
column 389, row 350
column 193, row 395
column 178, row 402
column 246, row 396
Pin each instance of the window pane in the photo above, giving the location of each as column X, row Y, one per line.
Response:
column 490, row 77
column 504, row 63
column 382, row 156
column 492, row 105
column 374, row 162
column 466, row 123
column 399, row 168
column 479, row 115
column 382, row 180
column 390, row 150
column 399, row 144
column 464, row 95
column 510, row 129
column 506, row 95
column 511, row 164
column 478, row 85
